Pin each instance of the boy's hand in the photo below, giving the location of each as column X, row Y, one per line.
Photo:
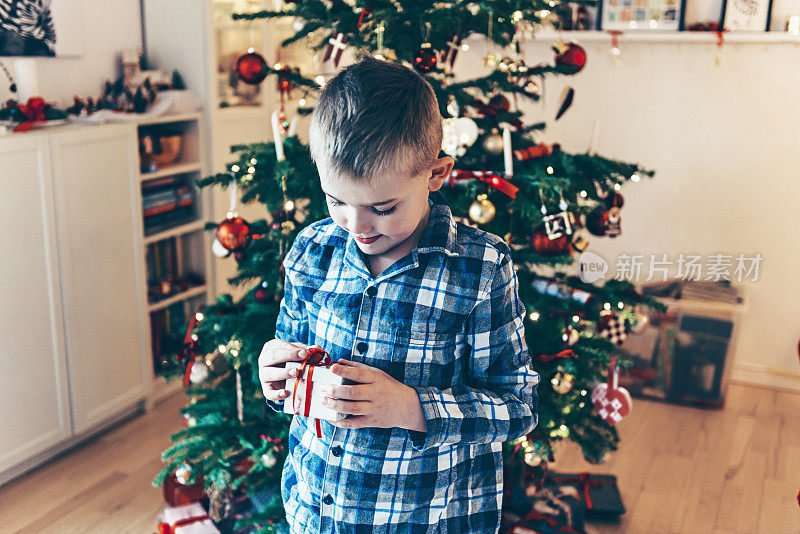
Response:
column 377, row 400
column 271, row 366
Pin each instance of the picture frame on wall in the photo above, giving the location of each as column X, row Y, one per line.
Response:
column 41, row 28
column 641, row 15
column 746, row 15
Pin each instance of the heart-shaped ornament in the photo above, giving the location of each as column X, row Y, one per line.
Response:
column 611, row 401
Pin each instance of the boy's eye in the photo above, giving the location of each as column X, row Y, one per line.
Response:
column 376, row 211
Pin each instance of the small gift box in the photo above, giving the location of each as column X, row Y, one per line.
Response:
column 186, row 519
column 599, row 492
column 315, row 369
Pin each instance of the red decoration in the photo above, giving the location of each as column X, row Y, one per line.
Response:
column 285, row 85
column 611, row 401
column 604, row 222
column 260, row 295
column 251, row 68
column 570, row 58
column 233, row 233
column 500, row 102
column 177, row 494
column 490, row 178
column 33, row 111
column 611, row 328
column 566, row 353
column 364, row 12
column 535, row 151
column 337, row 41
column 425, row 59
column 166, row 528
column 544, row 246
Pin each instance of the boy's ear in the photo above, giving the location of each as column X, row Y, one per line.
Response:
column 441, row 169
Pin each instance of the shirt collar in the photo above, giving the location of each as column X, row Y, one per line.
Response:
column 439, row 236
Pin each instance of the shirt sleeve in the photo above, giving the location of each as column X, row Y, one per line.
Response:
column 498, row 402
column 292, row 322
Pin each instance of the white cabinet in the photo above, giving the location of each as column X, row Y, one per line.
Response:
column 100, row 276
column 74, row 341
column 34, row 400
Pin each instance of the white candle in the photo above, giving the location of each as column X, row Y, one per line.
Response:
column 507, row 151
column 276, row 135
column 27, row 78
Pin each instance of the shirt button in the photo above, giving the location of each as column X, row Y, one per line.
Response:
column 372, row 291
column 328, row 500
column 362, row 347
column 336, row 451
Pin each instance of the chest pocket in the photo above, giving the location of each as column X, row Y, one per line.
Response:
column 426, row 355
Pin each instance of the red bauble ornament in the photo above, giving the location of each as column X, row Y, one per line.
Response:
column 500, row 102
column 251, row 68
column 425, row 59
column 570, row 58
column 604, row 223
column 544, row 246
column 233, row 233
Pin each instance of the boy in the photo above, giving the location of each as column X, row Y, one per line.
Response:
column 422, row 313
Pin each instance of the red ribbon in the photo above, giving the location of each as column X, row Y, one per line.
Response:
column 490, row 178
column 364, row 13
column 585, row 483
column 318, row 358
column 34, row 111
column 566, row 353
column 166, row 528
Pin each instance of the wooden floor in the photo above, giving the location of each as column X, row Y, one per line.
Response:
column 680, row 469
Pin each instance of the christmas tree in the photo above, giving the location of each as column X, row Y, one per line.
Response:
column 536, row 196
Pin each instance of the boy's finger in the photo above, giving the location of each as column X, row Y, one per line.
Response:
column 356, row 374
column 272, row 374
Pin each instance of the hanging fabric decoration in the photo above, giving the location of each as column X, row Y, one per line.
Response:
column 558, row 224
column 281, row 127
column 336, row 45
column 611, row 401
column 490, row 178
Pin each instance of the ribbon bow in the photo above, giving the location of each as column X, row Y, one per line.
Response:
column 566, row 353
column 33, row 111
column 166, row 528
column 490, row 178
column 318, row 358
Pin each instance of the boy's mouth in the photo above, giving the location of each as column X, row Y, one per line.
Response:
column 367, row 241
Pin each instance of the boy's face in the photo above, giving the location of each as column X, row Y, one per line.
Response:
column 361, row 209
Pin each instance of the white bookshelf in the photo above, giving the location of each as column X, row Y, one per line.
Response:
column 190, row 244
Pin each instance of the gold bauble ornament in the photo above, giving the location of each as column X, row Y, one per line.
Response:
column 562, row 382
column 532, row 459
column 217, row 363
column 493, row 143
column 482, row 210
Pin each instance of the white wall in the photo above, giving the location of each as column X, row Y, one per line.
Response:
column 724, row 143
column 109, row 27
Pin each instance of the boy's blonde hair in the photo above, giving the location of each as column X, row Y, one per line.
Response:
column 376, row 119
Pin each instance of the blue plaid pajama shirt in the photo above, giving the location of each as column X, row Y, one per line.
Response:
column 446, row 320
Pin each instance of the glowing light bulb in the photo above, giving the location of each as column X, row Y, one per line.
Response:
column 584, row 194
column 199, row 316
column 320, row 80
column 635, row 177
column 620, row 305
column 550, row 170
column 607, row 306
column 302, row 102
column 253, row 161
column 251, row 170
column 277, row 66
column 235, row 168
column 575, row 318
column 465, row 47
column 535, row 316
column 222, row 349
column 617, row 187
column 288, row 205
